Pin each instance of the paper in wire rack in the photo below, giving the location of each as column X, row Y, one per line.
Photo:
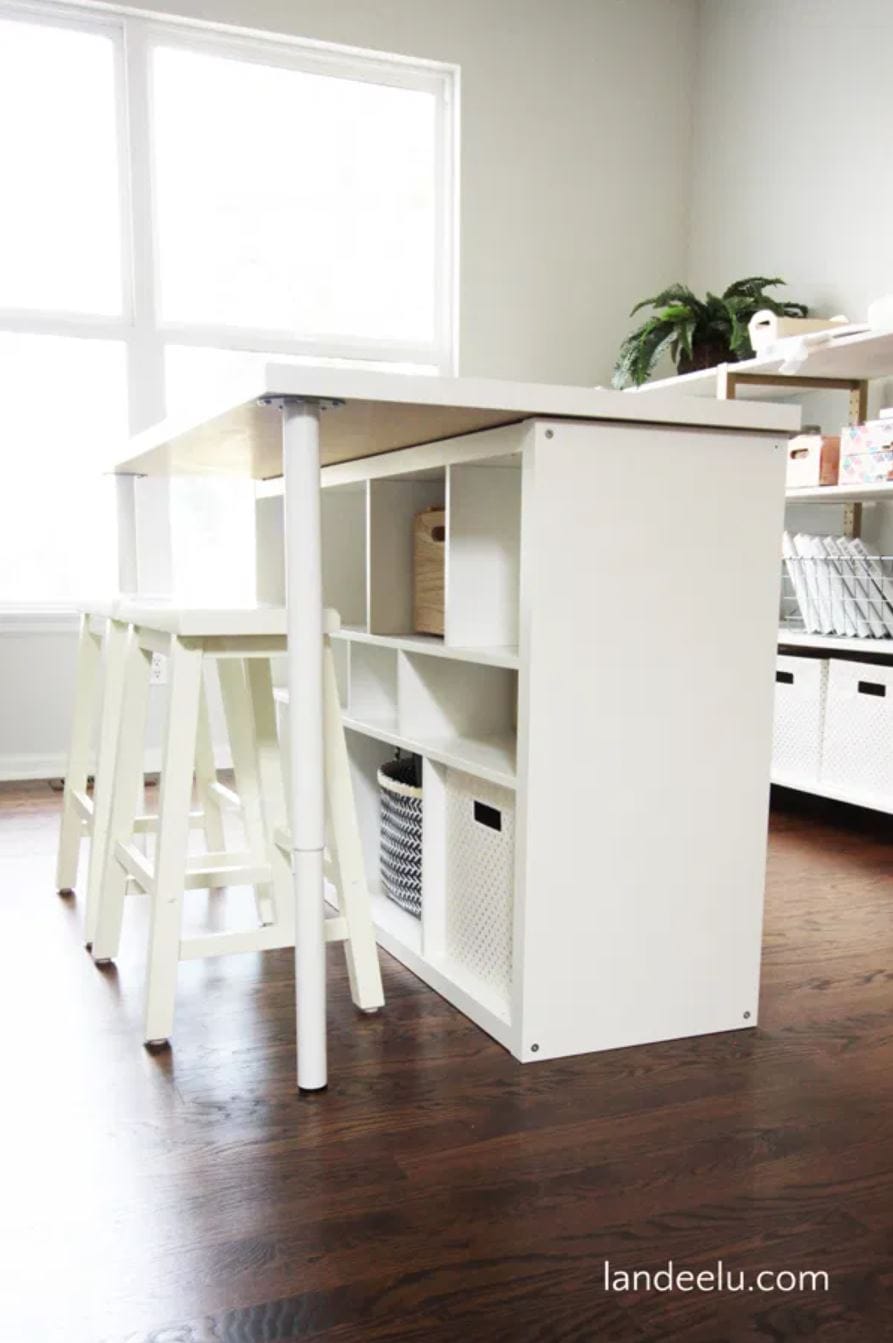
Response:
column 830, row 562
column 856, row 622
column 817, row 583
column 880, row 588
column 840, row 585
column 797, row 579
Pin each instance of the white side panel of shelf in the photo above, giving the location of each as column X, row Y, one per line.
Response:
column 393, row 504
column 646, row 778
column 483, row 555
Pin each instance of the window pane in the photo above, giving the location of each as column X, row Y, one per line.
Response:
column 194, row 374
column 293, row 202
column 59, row 224
column 62, row 417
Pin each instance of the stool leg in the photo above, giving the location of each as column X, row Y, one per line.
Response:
column 177, row 762
column 86, row 676
column 360, row 947
column 205, row 776
column 126, row 788
column 104, row 784
column 243, row 744
column 272, row 792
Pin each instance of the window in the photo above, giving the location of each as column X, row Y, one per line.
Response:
column 179, row 201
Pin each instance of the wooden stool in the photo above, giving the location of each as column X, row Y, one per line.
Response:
column 99, row 683
column 242, row 644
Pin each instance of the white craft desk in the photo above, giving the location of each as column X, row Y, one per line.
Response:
column 608, row 662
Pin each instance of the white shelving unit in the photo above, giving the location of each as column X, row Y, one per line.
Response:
column 843, row 494
column 582, row 922
column 854, row 796
column 862, row 356
column 792, row 637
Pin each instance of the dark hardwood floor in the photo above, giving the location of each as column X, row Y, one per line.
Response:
column 440, row 1191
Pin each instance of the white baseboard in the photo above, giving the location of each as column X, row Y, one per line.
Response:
column 29, row 766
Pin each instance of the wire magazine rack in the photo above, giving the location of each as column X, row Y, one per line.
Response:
column 847, row 594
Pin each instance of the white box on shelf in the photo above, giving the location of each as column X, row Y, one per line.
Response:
column 857, row 749
column 800, row 689
column 813, row 459
column 480, row 857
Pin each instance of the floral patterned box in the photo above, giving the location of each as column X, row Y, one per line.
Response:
column 866, row 453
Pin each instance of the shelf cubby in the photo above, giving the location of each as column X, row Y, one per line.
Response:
column 344, row 526
column 462, row 713
column 372, row 693
column 343, row 521
column 367, row 755
column 483, row 554
column 393, row 505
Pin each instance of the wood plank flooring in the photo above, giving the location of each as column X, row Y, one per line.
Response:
column 440, row 1191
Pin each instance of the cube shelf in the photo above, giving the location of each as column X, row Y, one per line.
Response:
column 593, row 832
column 454, row 712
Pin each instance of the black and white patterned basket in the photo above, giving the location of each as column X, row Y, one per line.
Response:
column 401, row 834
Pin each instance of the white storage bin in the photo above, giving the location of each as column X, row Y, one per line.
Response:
column 800, row 691
column 857, row 754
column 480, row 846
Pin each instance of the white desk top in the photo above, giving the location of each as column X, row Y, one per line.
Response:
column 234, row 435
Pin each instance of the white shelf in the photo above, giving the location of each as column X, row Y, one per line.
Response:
column 842, row 494
column 492, row 758
column 432, row 646
column 867, row 354
column 479, row 992
column 401, row 933
column 855, row 799
column 393, row 921
column 796, row 638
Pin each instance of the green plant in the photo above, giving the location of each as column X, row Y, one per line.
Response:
column 697, row 332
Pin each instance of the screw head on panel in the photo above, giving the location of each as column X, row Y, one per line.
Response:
column 747, row 1016
column 534, row 1049
column 550, row 433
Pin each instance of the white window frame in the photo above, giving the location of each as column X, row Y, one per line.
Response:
column 133, row 33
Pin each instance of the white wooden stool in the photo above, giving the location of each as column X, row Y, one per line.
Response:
column 99, row 683
column 242, row 643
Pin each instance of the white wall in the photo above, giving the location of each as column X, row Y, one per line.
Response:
column 793, row 122
column 36, row 694
column 574, row 171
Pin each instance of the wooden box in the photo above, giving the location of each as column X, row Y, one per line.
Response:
column 429, row 549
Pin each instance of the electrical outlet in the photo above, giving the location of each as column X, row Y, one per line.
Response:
column 158, row 674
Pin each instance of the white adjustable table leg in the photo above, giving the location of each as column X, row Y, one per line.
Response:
column 303, row 596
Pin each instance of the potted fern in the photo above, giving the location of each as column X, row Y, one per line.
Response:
column 698, row 333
